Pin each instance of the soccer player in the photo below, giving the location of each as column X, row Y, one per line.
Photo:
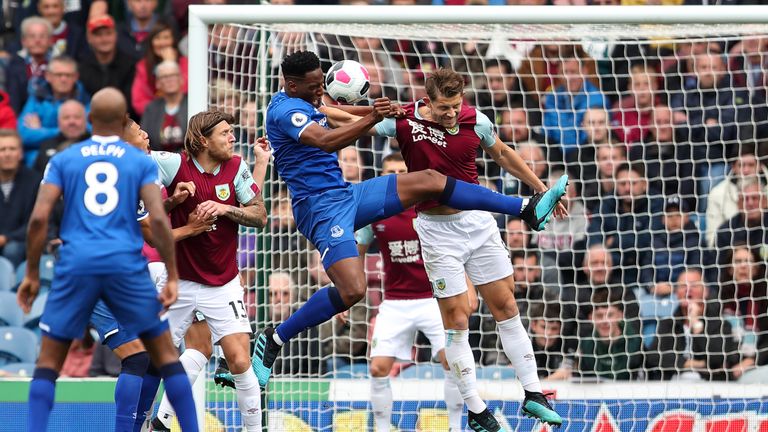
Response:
column 441, row 132
column 101, row 181
column 328, row 210
column 408, row 307
column 210, row 281
column 138, row 381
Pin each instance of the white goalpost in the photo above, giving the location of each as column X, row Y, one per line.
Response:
column 652, row 113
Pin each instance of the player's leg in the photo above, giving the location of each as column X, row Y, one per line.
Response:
column 134, row 361
column 419, row 186
column 381, row 392
column 197, row 351
column 133, row 300
column 65, row 317
column 430, row 323
column 490, row 269
column 227, row 319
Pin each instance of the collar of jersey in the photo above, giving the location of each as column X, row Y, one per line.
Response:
column 202, row 171
column 105, row 139
column 416, row 112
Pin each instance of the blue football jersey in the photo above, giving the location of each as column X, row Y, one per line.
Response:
column 307, row 170
column 101, row 179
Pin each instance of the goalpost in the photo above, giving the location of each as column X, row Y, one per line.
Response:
column 512, row 58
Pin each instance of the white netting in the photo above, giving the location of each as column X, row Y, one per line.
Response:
column 684, row 106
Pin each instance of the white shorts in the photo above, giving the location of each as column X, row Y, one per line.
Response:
column 397, row 324
column 222, row 307
column 464, row 242
column 158, row 274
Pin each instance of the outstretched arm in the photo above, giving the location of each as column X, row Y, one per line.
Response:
column 347, row 129
column 514, row 164
column 36, row 233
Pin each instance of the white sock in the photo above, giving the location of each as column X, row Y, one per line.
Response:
column 249, row 399
column 525, row 203
column 454, row 402
column 381, row 403
column 276, row 338
column 518, row 348
column 462, row 364
column 193, row 361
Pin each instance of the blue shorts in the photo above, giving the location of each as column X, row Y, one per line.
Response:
column 111, row 333
column 132, row 299
column 329, row 220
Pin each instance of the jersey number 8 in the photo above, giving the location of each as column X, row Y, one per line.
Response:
column 104, row 186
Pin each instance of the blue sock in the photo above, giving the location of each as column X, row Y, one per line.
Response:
column 179, row 393
column 42, row 391
column 127, row 390
column 147, row 396
column 467, row 196
column 321, row 307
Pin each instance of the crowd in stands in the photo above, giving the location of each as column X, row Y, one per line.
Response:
column 658, row 273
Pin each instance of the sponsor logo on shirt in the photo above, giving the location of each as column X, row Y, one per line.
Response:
column 420, row 132
column 404, row 251
column 222, row 192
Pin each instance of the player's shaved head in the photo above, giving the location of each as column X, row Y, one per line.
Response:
column 108, row 112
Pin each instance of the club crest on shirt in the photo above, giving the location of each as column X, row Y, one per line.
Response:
column 337, row 231
column 222, row 192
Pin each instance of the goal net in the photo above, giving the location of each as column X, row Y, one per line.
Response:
column 647, row 305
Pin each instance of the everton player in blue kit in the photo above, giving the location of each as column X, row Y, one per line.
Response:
column 328, row 210
column 101, row 181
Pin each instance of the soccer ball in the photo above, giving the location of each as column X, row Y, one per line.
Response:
column 347, row 82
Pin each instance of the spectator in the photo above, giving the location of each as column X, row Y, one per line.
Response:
column 695, row 343
column 669, row 167
column 165, row 118
column 612, row 350
column 580, row 162
column 67, row 39
column 747, row 59
column 26, row 68
column 18, row 189
column 106, row 65
column 517, row 236
column 498, row 86
column 514, row 126
column 542, row 65
column 564, row 107
column 287, row 242
column 7, row 115
column 528, row 288
column 559, row 243
column 624, row 221
column 608, row 157
column 723, row 202
column 710, row 105
column 72, row 129
column 633, row 114
column 161, row 46
column 533, row 155
column 248, row 130
column 655, row 302
column 750, row 225
column 743, row 287
column 79, row 357
column 133, row 32
column 349, row 161
column 38, row 121
column 676, row 244
column 554, row 354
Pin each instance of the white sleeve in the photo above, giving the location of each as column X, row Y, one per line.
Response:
column 168, row 163
column 386, row 127
column 484, row 130
column 245, row 188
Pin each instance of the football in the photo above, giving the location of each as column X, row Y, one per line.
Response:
column 347, row 82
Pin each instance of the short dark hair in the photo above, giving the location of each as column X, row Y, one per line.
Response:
column 626, row 166
column 299, row 63
column 523, row 254
column 549, row 311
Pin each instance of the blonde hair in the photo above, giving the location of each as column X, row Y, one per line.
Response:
column 201, row 126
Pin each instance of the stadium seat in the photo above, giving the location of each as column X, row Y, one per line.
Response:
column 32, row 319
column 495, row 373
column 17, row 345
column 19, row 369
column 21, row 270
column 7, row 275
column 424, row 371
column 10, row 312
column 46, row 269
column 352, row 371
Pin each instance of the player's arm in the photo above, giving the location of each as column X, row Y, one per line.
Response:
column 262, row 153
column 181, row 192
column 251, row 213
column 161, row 232
column 514, row 164
column 333, row 140
column 196, row 225
column 364, row 238
column 47, row 196
column 338, row 116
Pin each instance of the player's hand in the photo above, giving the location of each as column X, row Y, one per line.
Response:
column 381, row 108
column 395, row 110
column 32, row 121
column 182, row 191
column 560, row 211
column 343, row 317
column 262, row 150
column 213, row 209
column 199, row 224
column 27, row 293
column 169, row 294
